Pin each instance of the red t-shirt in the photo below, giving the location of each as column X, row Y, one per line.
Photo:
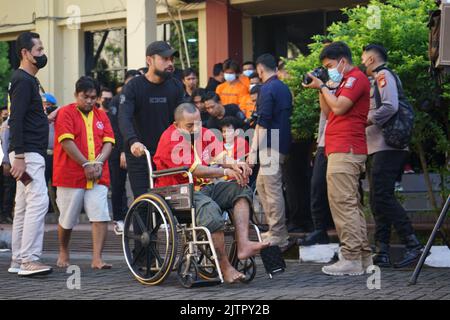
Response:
column 89, row 134
column 240, row 149
column 174, row 151
column 347, row 133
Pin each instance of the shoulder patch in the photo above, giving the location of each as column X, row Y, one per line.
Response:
column 350, row 82
column 381, row 80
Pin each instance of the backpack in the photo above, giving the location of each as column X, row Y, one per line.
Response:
column 398, row 130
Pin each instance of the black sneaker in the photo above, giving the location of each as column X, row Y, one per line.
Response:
column 316, row 237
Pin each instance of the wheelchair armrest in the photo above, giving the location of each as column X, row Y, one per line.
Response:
column 170, row 171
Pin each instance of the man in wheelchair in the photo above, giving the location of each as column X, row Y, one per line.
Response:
column 186, row 143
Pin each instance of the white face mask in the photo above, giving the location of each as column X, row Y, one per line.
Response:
column 335, row 75
column 248, row 73
column 252, row 86
column 230, row 77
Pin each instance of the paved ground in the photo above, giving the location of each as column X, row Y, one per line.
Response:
column 298, row 282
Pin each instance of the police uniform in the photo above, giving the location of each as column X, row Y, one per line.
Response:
column 387, row 162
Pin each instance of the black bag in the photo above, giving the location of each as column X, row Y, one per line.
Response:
column 398, row 130
column 273, row 260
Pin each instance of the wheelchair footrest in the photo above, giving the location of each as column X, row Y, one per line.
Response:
column 273, row 260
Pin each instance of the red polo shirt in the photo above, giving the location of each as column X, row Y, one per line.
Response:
column 347, row 133
column 89, row 132
column 175, row 151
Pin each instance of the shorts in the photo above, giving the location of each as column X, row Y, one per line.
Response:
column 71, row 201
column 214, row 199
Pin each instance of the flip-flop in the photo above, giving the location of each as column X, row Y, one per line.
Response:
column 103, row 267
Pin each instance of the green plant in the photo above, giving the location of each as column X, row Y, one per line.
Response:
column 5, row 70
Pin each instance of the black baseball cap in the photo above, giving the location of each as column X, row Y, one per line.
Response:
column 162, row 49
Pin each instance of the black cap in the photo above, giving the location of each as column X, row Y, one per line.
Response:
column 162, row 49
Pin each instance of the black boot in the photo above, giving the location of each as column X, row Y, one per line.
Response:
column 315, row 237
column 382, row 256
column 413, row 252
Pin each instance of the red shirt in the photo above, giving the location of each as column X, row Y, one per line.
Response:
column 347, row 133
column 174, row 151
column 240, row 149
column 89, row 134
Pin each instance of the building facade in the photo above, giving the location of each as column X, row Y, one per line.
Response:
column 238, row 29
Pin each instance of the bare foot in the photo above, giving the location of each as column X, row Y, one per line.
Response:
column 251, row 249
column 100, row 265
column 231, row 275
column 63, row 260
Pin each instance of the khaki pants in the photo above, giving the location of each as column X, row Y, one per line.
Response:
column 270, row 190
column 343, row 174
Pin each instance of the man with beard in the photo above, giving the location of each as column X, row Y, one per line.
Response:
column 146, row 111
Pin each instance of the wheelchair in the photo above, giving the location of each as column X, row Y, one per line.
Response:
column 161, row 235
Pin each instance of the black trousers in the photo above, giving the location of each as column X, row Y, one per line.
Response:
column 320, row 209
column 118, row 192
column 7, row 194
column 138, row 174
column 387, row 211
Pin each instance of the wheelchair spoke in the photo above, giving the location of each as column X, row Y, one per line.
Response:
column 134, row 237
column 156, row 254
column 136, row 257
column 140, row 223
column 149, row 264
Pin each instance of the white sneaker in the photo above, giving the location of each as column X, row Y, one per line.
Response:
column 118, row 227
column 34, row 268
column 14, row 268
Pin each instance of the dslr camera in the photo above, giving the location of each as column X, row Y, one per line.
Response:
column 251, row 122
column 320, row 73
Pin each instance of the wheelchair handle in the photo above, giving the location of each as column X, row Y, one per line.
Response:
column 163, row 173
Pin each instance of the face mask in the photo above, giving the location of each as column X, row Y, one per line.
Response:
column 106, row 103
column 230, row 77
column 4, row 119
column 335, row 75
column 41, row 61
column 248, row 73
column 252, row 86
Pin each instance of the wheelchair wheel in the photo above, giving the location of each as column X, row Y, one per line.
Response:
column 150, row 239
column 247, row 267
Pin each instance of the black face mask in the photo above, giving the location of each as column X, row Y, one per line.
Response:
column 106, row 103
column 4, row 119
column 41, row 61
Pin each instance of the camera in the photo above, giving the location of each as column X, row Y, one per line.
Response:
column 320, row 73
column 251, row 122
column 50, row 109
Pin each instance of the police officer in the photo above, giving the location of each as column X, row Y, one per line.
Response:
column 386, row 162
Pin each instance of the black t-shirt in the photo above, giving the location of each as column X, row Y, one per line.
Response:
column 212, row 85
column 113, row 114
column 231, row 110
column 28, row 122
column 147, row 110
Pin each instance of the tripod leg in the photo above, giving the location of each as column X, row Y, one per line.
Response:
column 425, row 252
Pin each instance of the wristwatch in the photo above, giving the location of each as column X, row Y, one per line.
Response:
column 323, row 85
